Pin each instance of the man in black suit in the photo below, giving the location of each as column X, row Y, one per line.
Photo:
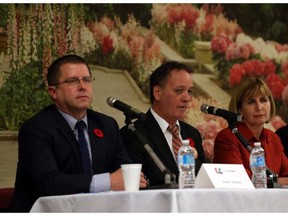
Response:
column 283, row 134
column 170, row 93
column 50, row 159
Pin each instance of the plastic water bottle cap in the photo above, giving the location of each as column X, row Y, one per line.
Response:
column 185, row 142
column 257, row 144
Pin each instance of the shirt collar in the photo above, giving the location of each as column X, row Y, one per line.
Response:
column 162, row 122
column 71, row 120
column 248, row 135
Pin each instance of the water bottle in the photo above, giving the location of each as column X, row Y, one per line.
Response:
column 186, row 165
column 258, row 166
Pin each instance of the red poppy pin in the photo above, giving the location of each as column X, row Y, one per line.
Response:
column 98, row 133
column 191, row 142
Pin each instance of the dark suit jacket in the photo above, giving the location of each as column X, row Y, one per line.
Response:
column 283, row 134
column 151, row 130
column 49, row 157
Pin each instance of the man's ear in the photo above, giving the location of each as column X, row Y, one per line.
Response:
column 157, row 92
column 52, row 92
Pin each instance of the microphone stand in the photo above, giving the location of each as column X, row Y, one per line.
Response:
column 169, row 177
column 272, row 178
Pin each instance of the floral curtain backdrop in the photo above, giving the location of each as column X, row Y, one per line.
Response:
column 39, row 33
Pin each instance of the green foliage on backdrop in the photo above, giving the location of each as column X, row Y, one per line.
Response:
column 269, row 21
column 22, row 95
column 34, row 40
column 4, row 15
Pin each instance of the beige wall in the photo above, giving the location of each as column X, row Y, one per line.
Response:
column 8, row 162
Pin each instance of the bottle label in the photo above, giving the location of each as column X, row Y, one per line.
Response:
column 186, row 159
column 259, row 161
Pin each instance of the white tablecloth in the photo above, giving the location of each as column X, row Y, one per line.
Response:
column 186, row 200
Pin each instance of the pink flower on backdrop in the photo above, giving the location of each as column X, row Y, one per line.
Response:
column 223, row 26
column 269, row 67
column 189, row 15
column 208, row 147
column 152, row 52
column 212, row 9
column 108, row 22
column 173, row 14
column 252, row 67
column 220, row 44
column 107, row 45
column 235, row 51
column 232, row 52
column 277, row 122
column 211, row 129
column 236, row 74
column 284, row 68
column 97, row 31
column 246, row 50
column 200, row 127
column 207, row 26
column 210, row 118
column 285, row 95
column 149, row 40
column 275, row 84
column 182, row 12
column 262, row 69
column 136, row 45
column 281, row 47
column 232, row 29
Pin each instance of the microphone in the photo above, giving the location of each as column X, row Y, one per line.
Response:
column 229, row 116
column 126, row 109
column 169, row 177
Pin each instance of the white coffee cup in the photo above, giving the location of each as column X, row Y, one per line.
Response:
column 131, row 176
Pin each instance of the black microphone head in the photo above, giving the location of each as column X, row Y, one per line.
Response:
column 204, row 108
column 110, row 101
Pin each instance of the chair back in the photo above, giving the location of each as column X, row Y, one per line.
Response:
column 6, row 195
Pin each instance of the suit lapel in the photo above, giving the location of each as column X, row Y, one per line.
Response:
column 65, row 130
column 184, row 132
column 98, row 145
column 160, row 144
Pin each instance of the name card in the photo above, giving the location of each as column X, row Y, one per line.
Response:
column 212, row 175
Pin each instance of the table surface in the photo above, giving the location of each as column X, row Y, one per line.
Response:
column 169, row 200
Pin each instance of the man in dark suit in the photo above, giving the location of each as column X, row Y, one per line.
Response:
column 283, row 134
column 50, row 152
column 170, row 93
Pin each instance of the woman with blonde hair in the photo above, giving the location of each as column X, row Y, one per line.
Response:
column 252, row 99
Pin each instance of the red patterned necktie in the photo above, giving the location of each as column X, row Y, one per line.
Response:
column 176, row 141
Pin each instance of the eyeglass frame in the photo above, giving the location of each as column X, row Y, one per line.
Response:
column 73, row 81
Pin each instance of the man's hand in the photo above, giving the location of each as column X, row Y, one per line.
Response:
column 195, row 153
column 117, row 182
column 116, row 178
column 143, row 181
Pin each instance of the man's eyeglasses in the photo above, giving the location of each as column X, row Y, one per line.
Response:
column 75, row 81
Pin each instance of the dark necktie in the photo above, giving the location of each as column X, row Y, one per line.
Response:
column 176, row 141
column 86, row 163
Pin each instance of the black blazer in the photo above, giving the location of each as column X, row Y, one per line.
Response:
column 156, row 139
column 49, row 157
column 283, row 134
